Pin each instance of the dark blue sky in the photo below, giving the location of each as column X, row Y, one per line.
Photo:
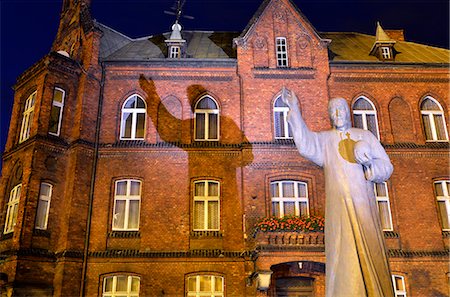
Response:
column 29, row 26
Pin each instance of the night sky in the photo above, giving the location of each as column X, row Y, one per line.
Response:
column 28, row 27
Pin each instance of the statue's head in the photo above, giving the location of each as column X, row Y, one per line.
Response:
column 339, row 113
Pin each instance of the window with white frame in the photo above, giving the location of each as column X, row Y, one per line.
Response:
column 205, row 286
column 442, row 190
column 399, row 285
column 43, row 208
column 175, row 52
column 289, row 198
column 365, row 116
column 121, row 286
column 282, row 128
column 27, row 118
column 386, row 52
column 206, row 205
column 384, row 208
column 12, row 209
column 127, row 202
column 133, row 119
column 281, row 52
column 56, row 112
column 206, row 119
column 433, row 120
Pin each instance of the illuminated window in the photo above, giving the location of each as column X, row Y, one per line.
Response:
column 27, row 118
column 175, row 52
column 289, row 198
column 206, row 205
column 56, row 112
column 386, row 52
column 205, row 285
column 127, row 200
column 281, row 52
column 133, row 119
column 442, row 190
column 365, row 116
column 121, row 286
column 43, row 207
column 206, row 119
column 384, row 209
column 433, row 120
column 280, row 111
column 12, row 209
column 399, row 285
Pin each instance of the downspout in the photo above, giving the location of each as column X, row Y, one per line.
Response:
column 93, row 175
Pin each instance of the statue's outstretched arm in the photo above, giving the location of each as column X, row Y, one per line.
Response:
column 307, row 142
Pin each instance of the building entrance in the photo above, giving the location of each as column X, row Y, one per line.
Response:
column 294, row 287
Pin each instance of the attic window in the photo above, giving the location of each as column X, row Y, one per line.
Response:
column 386, row 53
column 174, row 52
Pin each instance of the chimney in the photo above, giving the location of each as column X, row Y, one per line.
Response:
column 398, row 35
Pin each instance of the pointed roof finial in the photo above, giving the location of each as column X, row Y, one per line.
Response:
column 176, row 32
column 381, row 35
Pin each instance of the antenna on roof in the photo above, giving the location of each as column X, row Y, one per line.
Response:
column 177, row 10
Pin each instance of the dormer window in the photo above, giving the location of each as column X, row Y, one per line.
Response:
column 175, row 52
column 281, row 52
column 386, row 53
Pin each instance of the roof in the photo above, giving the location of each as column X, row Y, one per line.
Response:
column 356, row 47
column 345, row 46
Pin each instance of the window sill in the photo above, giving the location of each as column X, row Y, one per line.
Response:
column 445, row 234
column 206, row 234
column 124, row 234
column 41, row 233
column 7, row 236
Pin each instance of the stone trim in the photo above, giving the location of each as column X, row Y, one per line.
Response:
column 124, row 234
column 206, row 234
column 6, row 236
column 345, row 79
column 445, row 234
column 390, row 234
column 41, row 233
column 412, row 254
column 172, row 254
column 284, row 73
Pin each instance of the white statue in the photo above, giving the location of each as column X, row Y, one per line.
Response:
column 353, row 159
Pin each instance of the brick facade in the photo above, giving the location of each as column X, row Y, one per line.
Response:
column 79, row 249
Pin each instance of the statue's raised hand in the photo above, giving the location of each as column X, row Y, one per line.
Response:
column 289, row 99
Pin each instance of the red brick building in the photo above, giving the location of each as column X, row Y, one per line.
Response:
column 139, row 167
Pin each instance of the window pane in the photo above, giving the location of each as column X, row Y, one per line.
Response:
column 54, row 119
column 119, row 214
column 399, row 284
column 429, row 104
column 45, row 190
column 41, row 214
column 200, row 189
column 205, row 283
column 192, row 284
column 362, row 104
column 427, row 126
column 122, row 284
column 274, row 189
column 127, row 122
column 140, row 125
column 121, row 188
column 289, row 208
column 140, row 103
column 303, row 209
column 213, row 126
column 219, row 284
column 213, row 215
column 135, row 284
column 213, row 189
column 133, row 217
column 108, row 285
column 440, row 127
column 279, row 124
column 135, row 188
column 206, row 103
column 372, row 124
column 358, row 121
column 380, row 190
column 200, row 126
column 130, row 102
column 444, row 215
column 279, row 103
column 276, row 209
column 199, row 216
column 385, row 215
column 288, row 189
column 58, row 96
column 301, row 190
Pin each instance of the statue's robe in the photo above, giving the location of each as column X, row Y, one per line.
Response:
column 356, row 259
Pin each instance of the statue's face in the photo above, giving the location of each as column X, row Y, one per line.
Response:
column 339, row 114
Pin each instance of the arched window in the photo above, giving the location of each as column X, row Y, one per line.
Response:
column 384, row 208
column 133, row 119
column 206, row 205
column 121, row 286
column 12, row 209
column 127, row 201
column 27, row 118
column 205, row 285
column 442, row 191
column 433, row 120
column 365, row 116
column 57, row 111
column 206, row 119
column 289, row 198
column 281, row 126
